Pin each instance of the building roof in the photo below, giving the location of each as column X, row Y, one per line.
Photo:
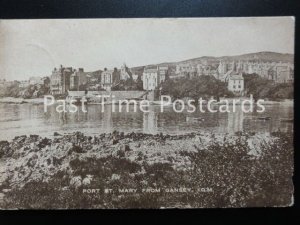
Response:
column 107, row 71
column 236, row 77
column 163, row 67
column 150, row 69
column 76, row 93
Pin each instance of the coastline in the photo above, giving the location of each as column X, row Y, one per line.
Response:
column 39, row 101
column 71, row 163
column 11, row 100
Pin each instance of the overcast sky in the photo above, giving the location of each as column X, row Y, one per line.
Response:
column 35, row 47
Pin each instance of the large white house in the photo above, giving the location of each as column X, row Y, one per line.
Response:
column 153, row 76
column 107, row 79
column 236, row 83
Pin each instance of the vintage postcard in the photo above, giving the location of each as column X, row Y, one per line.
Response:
column 147, row 113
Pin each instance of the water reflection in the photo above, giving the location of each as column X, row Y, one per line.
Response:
column 31, row 119
column 235, row 120
column 150, row 120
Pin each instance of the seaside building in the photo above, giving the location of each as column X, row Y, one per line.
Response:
column 116, row 76
column 284, row 73
column 203, row 69
column 236, row 83
column 278, row 72
column 186, row 69
column 153, row 76
column 163, row 73
column 94, row 80
column 60, row 80
column 150, row 78
column 224, row 67
column 106, row 79
column 79, row 80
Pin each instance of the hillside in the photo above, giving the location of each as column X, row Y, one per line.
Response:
column 263, row 56
column 259, row 56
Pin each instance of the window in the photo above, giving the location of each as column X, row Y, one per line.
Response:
column 239, row 86
column 234, row 86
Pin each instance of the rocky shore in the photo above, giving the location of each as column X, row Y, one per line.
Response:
column 242, row 169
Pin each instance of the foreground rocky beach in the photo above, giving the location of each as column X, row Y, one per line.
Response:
column 137, row 170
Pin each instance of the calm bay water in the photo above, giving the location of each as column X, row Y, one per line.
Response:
column 20, row 119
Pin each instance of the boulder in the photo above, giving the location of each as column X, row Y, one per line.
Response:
column 56, row 134
column 76, row 148
column 76, row 182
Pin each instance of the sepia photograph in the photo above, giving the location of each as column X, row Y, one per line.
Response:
column 147, row 113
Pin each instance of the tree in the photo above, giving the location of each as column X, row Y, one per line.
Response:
column 195, row 88
column 263, row 88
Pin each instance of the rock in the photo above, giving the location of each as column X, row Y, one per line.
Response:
column 3, row 143
column 76, row 182
column 56, row 134
column 19, row 139
column 57, row 161
column 115, row 176
column 6, row 190
column 138, row 145
column 34, row 137
column 44, row 142
column 56, row 154
column 1, row 197
column 32, row 161
column 76, row 148
column 121, row 153
column 122, row 135
column 256, row 143
column 65, row 188
column 125, row 148
column 4, row 148
column 87, row 180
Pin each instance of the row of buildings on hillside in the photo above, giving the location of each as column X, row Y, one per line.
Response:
column 64, row 79
column 189, row 70
column 34, row 81
column 153, row 76
column 232, row 72
column 279, row 72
